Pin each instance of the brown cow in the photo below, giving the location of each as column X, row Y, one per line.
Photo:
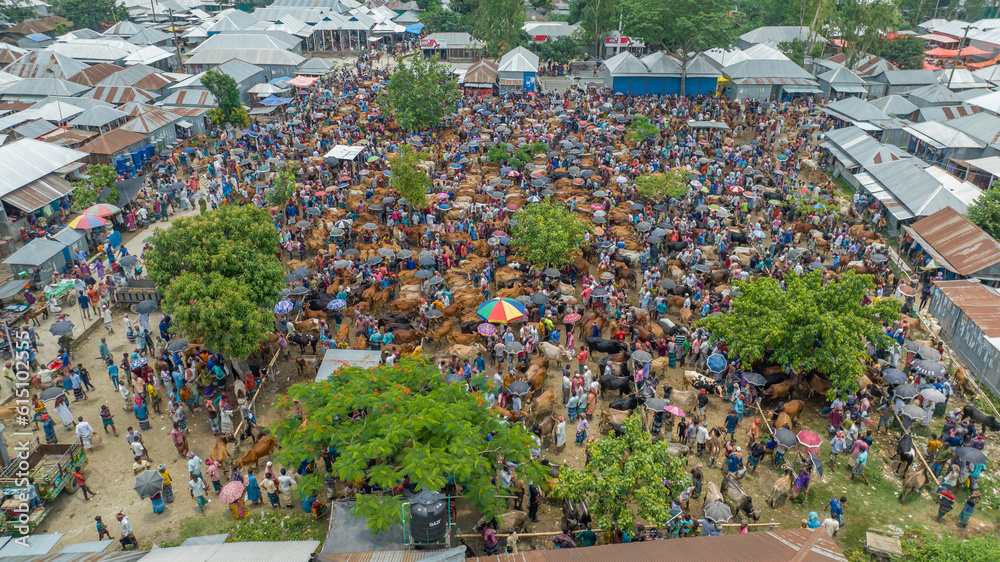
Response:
column 407, row 336
column 261, row 449
column 793, row 408
column 611, row 418
column 441, row 332
column 542, row 404
column 306, row 325
column 818, row 385
column 306, row 362
column 404, row 305
column 783, row 420
column 537, row 378
column 463, row 339
column 781, row 389
column 219, row 452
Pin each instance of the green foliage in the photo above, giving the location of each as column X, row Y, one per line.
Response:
column 546, row 233
column 408, row 178
column 985, row 212
column 283, row 186
column 538, row 148
column 811, row 327
column 94, row 14
column 275, row 526
column 237, row 242
column 664, row 186
column 596, row 18
column 420, row 93
column 515, row 157
column 16, row 11
column 923, row 544
column 641, row 129
column 498, row 24
column 229, row 107
column 862, row 23
column 797, row 49
column 439, row 20
column 83, row 195
column 562, row 50
column 907, row 52
column 626, row 471
column 542, row 5
column 101, row 177
column 413, row 424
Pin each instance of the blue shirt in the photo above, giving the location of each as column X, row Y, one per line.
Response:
column 835, row 508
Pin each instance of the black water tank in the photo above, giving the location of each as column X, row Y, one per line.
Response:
column 428, row 517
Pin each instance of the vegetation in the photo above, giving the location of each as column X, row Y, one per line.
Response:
column 664, row 186
column 101, row 177
column 810, row 326
column 389, row 423
column 624, row 472
column 907, row 52
column 596, row 18
column 503, row 153
column 228, row 107
column 16, row 11
column 95, row 14
column 498, row 24
column 547, row 233
column 925, row 545
column 562, row 50
column 641, row 129
column 862, row 23
column 985, row 212
column 797, row 50
column 420, row 93
column 409, row 179
column 283, row 186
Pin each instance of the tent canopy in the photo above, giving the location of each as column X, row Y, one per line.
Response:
column 274, row 100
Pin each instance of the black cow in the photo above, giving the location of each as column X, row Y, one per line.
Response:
column 303, row 340
column 904, row 452
column 626, row 404
column 576, row 514
column 677, row 246
column 738, row 238
column 980, row 417
column 602, row 345
column 622, row 384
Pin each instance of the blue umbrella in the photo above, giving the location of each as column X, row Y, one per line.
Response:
column 189, row 149
column 138, row 363
column 336, row 304
column 444, row 207
column 415, row 28
column 283, row 307
column 716, row 363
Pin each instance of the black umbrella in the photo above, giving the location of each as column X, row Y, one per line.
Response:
column 374, row 260
column 970, row 455
column 299, row 291
column 404, row 254
column 433, row 313
column 436, row 280
column 427, row 261
column 552, row 272
column 351, row 252
column 642, row 356
column 785, row 437
column 718, row 512
column 513, row 347
column 519, row 387
column 128, row 261
column 178, row 346
column 912, row 411
column 893, row 376
column 655, row 404
column 755, row 379
column 341, row 264
column 313, row 211
column 146, row 307
column 906, row 391
column 148, row 483
column 303, row 224
column 300, row 273
column 817, row 464
column 930, row 368
column 701, row 268
column 370, row 226
column 61, row 328
column 599, row 292
column 539, row 298
column 667, row 284
column 424, row 274
column 386, row 252
column 52, row 393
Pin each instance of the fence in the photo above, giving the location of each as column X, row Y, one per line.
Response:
column 979, row 355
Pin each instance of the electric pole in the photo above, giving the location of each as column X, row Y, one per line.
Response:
column 954, row 63
column 177, row 44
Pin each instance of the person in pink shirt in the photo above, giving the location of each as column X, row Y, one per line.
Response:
column 214, row 475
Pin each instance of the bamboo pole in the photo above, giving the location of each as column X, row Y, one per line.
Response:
column 764, row 417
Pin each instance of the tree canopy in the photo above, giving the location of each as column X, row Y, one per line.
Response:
column 624, row 472
column 562, row 50
column 985, row 212
column 16, row 11
column 547, row 233
column 283, row 185
column 94, row 14
column 410, row 180
column 228, row 106
column 420, row 93
column 641, row 128
column 498, row 24
column 659, row 186
column 595, row 17
column 907, row 52
column 388, row 423
column 862, row 24
column 811, row 326
column 88, row 192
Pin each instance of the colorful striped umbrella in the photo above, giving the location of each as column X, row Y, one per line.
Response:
column 501, row 311
column 283, row 307
column 87, row 222
column 102, row 210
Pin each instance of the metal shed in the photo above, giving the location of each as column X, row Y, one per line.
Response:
column 337, row 358
column 47, row 255
column 73, row 240
column 969, row 316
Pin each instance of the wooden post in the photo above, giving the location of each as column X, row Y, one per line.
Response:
column 764, row 417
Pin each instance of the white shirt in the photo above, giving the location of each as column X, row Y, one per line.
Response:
column 85, row 430
column 126, row 526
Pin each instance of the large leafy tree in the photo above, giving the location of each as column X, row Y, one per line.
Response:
column 546, row 234
column 659, row 186
column 101, row 177
column 562, row 50
column 420, row 93
column 624, row 480
column 228, row 106
column 94, row 14
column 283, row 185
column 388, row 423
column 641, row 128
column 907, row 52
column 810, row 326
column 680, row 27
column 862, row 24
column 408, row 178
column 16, row 11
column 498, row 24
column 985, row 212
column 596, row 17
column 237, row 242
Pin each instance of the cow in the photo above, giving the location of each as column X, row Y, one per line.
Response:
column 980, row 417
column 817, row 385
column 305, row 363
column 700, row 381
column 712, row 493
column 683, row 399
column 303, row 341
column 544, row 428
column 905, row 452
column 306, row 326
column 714, row 445
column 602, row 345
column 793, row 408
column 780, row 490
column 781, row 389
column 512, row 521
column 738, row 499
column 542, row 403
column 610, row 382
column 627, row 403
column 261, row 449
column 783, row 420
column 536, row 377
column 467, row 352
column 219, row 452
column 913, row 481
column 555, row 352
column 253, row 432
column 611, row 417
column 576, row 514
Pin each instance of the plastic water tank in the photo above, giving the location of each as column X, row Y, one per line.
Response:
column 428, row 517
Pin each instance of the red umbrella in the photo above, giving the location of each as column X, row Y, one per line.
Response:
column 810, row 440
column 571, row 317
column 231, row 492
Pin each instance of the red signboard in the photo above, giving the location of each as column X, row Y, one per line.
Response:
column 428, row 43
column 618, row 41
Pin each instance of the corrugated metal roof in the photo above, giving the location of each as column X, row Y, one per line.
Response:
column 894, row 105
column 33, row 196
column 239, row 70
column 625, row 64
column 35, row 159
column 954, row 240
column 977, row 301
column 250, row 40
column 80, row 547
column 121, row 94
column 37, row 544
column 271, row 57
column 94, row 75
column 35, row 129
column 450, row 555
column 97, row 117
column 947, row 112
column 933, row 94
column 287, row 551
column 983, row 127
column 42, row 87
column 91, row 50
column 201, row 98
column 113, row 142
column 482, row 72
column 940, row 135
column 854, row 109
column 149, row 36
column 779, row 34
column 907, row 77
column 206, row 539
column 138, row 76
column 70, row 138
column 109, row 556
column 662, row 64
column 768, row 72
column 151, row 121
column 36, row 64
column 315, row 66
column 867, row 65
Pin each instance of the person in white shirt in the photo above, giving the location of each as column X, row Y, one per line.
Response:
column 285, row 483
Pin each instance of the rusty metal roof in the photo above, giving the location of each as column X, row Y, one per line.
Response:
column 94, row 75
column 482, row 72
column 763, row 546
column 120, row 94
column 955, row 242
column 151, row 121
column 113, row 142
column 42, row 191
column 978, row 302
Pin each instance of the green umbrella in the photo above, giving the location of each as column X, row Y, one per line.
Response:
column 372, row 158
column 714, row 207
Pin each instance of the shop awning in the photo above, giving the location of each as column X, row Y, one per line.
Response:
column 263, row 110
column 37, row 194
column 184, row 124
column 344, row 152
column 12, row 287
column 511, row 82
column 848, row 89
column 793, row 89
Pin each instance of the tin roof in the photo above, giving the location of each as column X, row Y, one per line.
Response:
column 977, row 301
column 481, row 72
column 35, row 159
column 36, row 64
column 288, row 551
column 956, row 243
column 93, row 75
column 151, row 121
column 120, row 94
column 195, row 97
column 70, row 138
column 33, row 196
column 113, row 142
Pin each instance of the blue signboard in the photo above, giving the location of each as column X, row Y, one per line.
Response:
column 529, row 81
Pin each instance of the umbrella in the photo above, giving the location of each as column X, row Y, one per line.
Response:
column 138, row 363
column 303, row 224
column 283, row 307
column 934, row 395
column 519, row 387
column 809, row 439
column 912, row 411
column 905, row 391
column 716, row 363
column 552, row 272
column 423, row 274
column 643, row 226
column 667, row 284
column 454, row 377
column 178, row 346
column 128, row 261
column 879, row 258
column 893, row 376
column 146, row 307
column 351, row 252
column 539, row 298
column 299, row 291
column 336, row 304
column 675, row 411
column 436, row 280
column 341, row 264
column 387, row 252
column 300, row 273
column 101, row 210
column 785, row 437
column 61, row 328
column 148, row 483
column 513, row 347
column 487, row 329
column 755, row 379
column 426, row 260
column 501, row 310
column 404, row 254
column 374, row 260
column 313, row 211
column 231, row 492
column 817, row 464
column 655, row 404
column 370, row 226
column 970, row 455
column 642, row 356
column 929, row 368
column 433, row 313
column 52, row 393
column 718, row 512
column 86, row 222
column 571, row 318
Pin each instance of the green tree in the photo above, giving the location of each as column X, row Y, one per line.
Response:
column 283, row 185
column 624, row 472
column 237, row 242
column 420, row 93
column 16, row 11
column 99, row 178
column 542, row 5
column 811, row 326
column 498, row 24
column 907, row 52
column 228, row 106
column 546, row 233
column 660, row 186
column 862, row 23
column 562, row 50
column 641, row 128
column 408, row 178
column 388, row 423
column 922, row 544
column 220, row 309
column 680, row 27
column 797, row 49
column 439, row 20
column 94, row 14
column 596, row 18
column 985, row 212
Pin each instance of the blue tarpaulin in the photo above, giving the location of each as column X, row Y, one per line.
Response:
column 415, row 28
column 281, row 79
column 274, row 100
